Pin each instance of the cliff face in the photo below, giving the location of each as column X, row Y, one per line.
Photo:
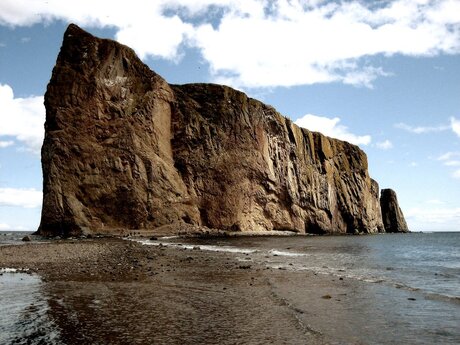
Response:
column 393, row 218
column 125, row 150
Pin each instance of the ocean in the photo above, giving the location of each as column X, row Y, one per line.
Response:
column 12, row 237
column 376, row 289
column 424, row 262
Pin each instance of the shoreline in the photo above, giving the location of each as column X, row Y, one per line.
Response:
column 121, row 291
column 238, row 287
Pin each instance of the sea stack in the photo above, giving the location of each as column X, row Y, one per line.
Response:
column 125, row 150
column 393, row 218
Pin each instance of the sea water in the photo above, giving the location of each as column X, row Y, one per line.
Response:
column 12, row 237
column 409, row 284
column 23, row 310
column 426, row 262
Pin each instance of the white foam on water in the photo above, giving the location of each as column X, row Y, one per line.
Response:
column 211, row 248
column 227, row 249
column 285, row 253
column 12, row 270
column 168, row 237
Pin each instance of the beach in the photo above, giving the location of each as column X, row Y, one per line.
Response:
column 119, row 291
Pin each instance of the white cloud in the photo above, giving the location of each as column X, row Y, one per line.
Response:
column 455, row 124
column 433, row 219
column 422, row 129
column 7, row 227
column 413, row 164
column 20, row 197
column 4, row 144
column 259, row 43
column 22, row 118
column 452, row 163
column 4, row 226
column 331, row 128
column 385, row 145
column 451, row 159
column 448, row 155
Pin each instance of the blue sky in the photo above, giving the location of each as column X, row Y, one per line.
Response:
column 384, row 75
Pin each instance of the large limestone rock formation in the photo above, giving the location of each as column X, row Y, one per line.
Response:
column 125, row 150
column 393, row 218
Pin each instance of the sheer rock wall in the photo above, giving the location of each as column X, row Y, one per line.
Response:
column 123, row 149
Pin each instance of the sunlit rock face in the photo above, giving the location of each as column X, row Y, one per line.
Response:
column 125, row 150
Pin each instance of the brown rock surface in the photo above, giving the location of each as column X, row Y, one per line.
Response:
column 393, row 218
column 123, row 149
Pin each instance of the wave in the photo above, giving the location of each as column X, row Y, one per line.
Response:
column 297, row 261
column 285, row 253
column 442, row 297
column 13, row 270
column 211, row 248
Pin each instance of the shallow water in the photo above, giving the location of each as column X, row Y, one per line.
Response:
column 24, row 310
column 408, row 285
column 426, row 262
column 12, row 237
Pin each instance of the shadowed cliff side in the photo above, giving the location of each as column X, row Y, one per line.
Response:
column 123, row 149
column 393, row 218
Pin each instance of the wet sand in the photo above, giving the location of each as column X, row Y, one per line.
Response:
column 117, row 291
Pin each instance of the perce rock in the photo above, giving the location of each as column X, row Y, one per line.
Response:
column 124, row 150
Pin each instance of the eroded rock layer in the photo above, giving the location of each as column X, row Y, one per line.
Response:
column 123, row 149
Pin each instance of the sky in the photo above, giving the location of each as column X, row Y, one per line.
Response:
column 384, row 75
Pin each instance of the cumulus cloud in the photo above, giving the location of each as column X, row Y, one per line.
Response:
column 384, row 145
column 259, row 43
column 20, row 197
column 331, row 128
column 22, row 118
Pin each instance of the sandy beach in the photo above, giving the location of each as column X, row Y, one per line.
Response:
column 154, row 294
column 119, row 291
